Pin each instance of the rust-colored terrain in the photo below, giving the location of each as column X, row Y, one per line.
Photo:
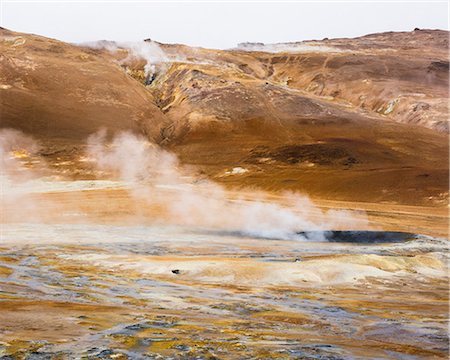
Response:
column 98, row 264
column 362, row 119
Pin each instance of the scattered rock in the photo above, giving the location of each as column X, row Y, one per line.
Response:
column 182, row 347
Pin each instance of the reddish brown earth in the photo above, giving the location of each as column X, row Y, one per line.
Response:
column 90, row 269
column 55, row 90
column 361, row 119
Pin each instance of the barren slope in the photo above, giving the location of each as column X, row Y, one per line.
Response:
column 54, row 89
column 401, row 76
column 344, row 119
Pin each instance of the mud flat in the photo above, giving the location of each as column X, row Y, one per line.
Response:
column 100, row 289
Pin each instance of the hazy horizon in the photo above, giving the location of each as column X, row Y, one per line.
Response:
column 217, row 24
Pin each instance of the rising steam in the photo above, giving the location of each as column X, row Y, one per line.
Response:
column 149, row 51
column 301, row 47
column 156, row 177
column 15, row 178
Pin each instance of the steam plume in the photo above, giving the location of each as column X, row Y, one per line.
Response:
column 149, row 51
column 150, row 170
column 15, row 178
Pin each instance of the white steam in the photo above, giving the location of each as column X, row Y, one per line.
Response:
column 154, row 56
column 15, row 178
column 156, row 177
column 302, row 47
column 149, row 51
column 157, row 181
column 146, row 50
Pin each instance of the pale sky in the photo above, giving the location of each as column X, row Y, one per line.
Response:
column 219, row 24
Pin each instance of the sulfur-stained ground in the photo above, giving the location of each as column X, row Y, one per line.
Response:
column 136, row 292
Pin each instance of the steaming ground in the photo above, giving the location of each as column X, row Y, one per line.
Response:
column 114, row 248
column 139, row 256
column 154, row 177
column 147, row 169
